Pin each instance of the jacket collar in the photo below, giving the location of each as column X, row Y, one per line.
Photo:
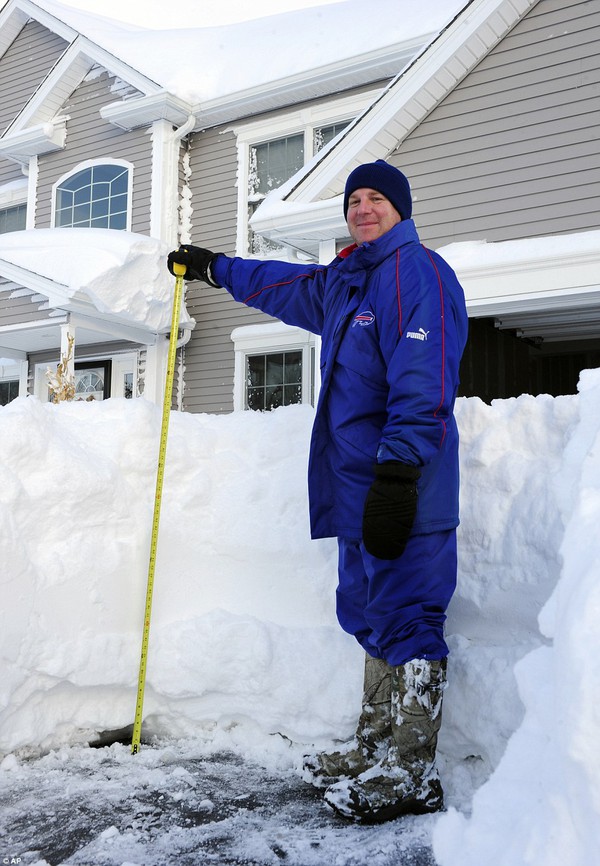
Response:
column 370, row 254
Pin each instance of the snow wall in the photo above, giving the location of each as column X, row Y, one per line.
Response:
column 243, row 626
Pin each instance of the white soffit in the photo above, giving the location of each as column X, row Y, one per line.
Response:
column 141, row 111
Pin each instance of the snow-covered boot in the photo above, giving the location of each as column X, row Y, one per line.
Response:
column 372, row 736
column 406, row 779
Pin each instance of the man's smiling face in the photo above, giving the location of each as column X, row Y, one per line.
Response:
column 370, row 215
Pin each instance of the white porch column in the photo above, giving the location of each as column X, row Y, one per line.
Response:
column 164, row 203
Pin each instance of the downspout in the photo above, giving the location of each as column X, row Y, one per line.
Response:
column 178, row 134
column 186, row 127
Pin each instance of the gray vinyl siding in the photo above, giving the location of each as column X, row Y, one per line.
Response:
column 514, row 150
column 9, row 171
column 91, row 137
column 209, row 356
column 18, row 305
column 23, row 67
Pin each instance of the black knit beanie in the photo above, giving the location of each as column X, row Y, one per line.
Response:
column 386, row 179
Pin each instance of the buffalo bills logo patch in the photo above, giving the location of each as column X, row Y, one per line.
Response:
column 363, row 319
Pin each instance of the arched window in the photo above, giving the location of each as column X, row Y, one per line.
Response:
column 93, row 197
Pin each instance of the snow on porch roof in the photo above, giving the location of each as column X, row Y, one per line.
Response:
column 122, row 275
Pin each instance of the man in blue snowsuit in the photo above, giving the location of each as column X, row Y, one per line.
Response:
column 383, row 473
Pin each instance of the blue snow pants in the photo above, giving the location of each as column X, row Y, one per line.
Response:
column 396, row 608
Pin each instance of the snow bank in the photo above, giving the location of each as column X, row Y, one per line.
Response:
column 541, row 805
column 243, row 602
column 243, row 632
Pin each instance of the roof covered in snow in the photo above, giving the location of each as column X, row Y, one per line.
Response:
column 199, row 62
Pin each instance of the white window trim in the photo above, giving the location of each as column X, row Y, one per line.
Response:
column 264, row 339
column 89, row 163
column 14, row 193
column 304, row 120
column 12, row 372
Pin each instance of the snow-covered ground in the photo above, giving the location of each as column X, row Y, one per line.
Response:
column 245, row 655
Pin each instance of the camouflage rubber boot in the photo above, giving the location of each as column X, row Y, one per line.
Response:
column 406, row 780
column 372, row 736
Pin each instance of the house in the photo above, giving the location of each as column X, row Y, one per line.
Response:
column 492, row 114
column 102, row 134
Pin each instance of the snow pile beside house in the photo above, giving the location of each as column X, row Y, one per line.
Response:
column 542, row 804
column 243, row 633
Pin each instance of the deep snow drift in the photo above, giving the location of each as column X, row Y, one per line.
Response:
column 244, row 642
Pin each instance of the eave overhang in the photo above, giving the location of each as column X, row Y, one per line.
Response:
column 34, row 141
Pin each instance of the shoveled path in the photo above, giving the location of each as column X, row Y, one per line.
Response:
column 166, row 805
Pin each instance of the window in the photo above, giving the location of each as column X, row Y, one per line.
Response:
column 273, row 380
column 273, row 149
column 94, row 197
column 92, row 381
column 13, row 219
column 271, row 163
column 9, row 390
column 274, row 366
column 324, row 134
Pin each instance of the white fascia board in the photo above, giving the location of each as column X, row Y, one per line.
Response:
column 50, row 96
column 114, row 65
column 310, row 221
column 144, row 110
column 113, row 328
column 45, row 138
column 408, row 99
column 555, row 272
column 12, row 21
column 58, row 294
column 361, row 70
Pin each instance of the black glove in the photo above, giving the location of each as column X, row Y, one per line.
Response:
column 197, row 262
column 390, row 509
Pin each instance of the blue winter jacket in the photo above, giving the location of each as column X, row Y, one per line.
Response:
column 393, row 323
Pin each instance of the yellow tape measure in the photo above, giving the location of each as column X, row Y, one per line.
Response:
column 160, row 474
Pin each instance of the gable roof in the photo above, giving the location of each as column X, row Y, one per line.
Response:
column 308, row 209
